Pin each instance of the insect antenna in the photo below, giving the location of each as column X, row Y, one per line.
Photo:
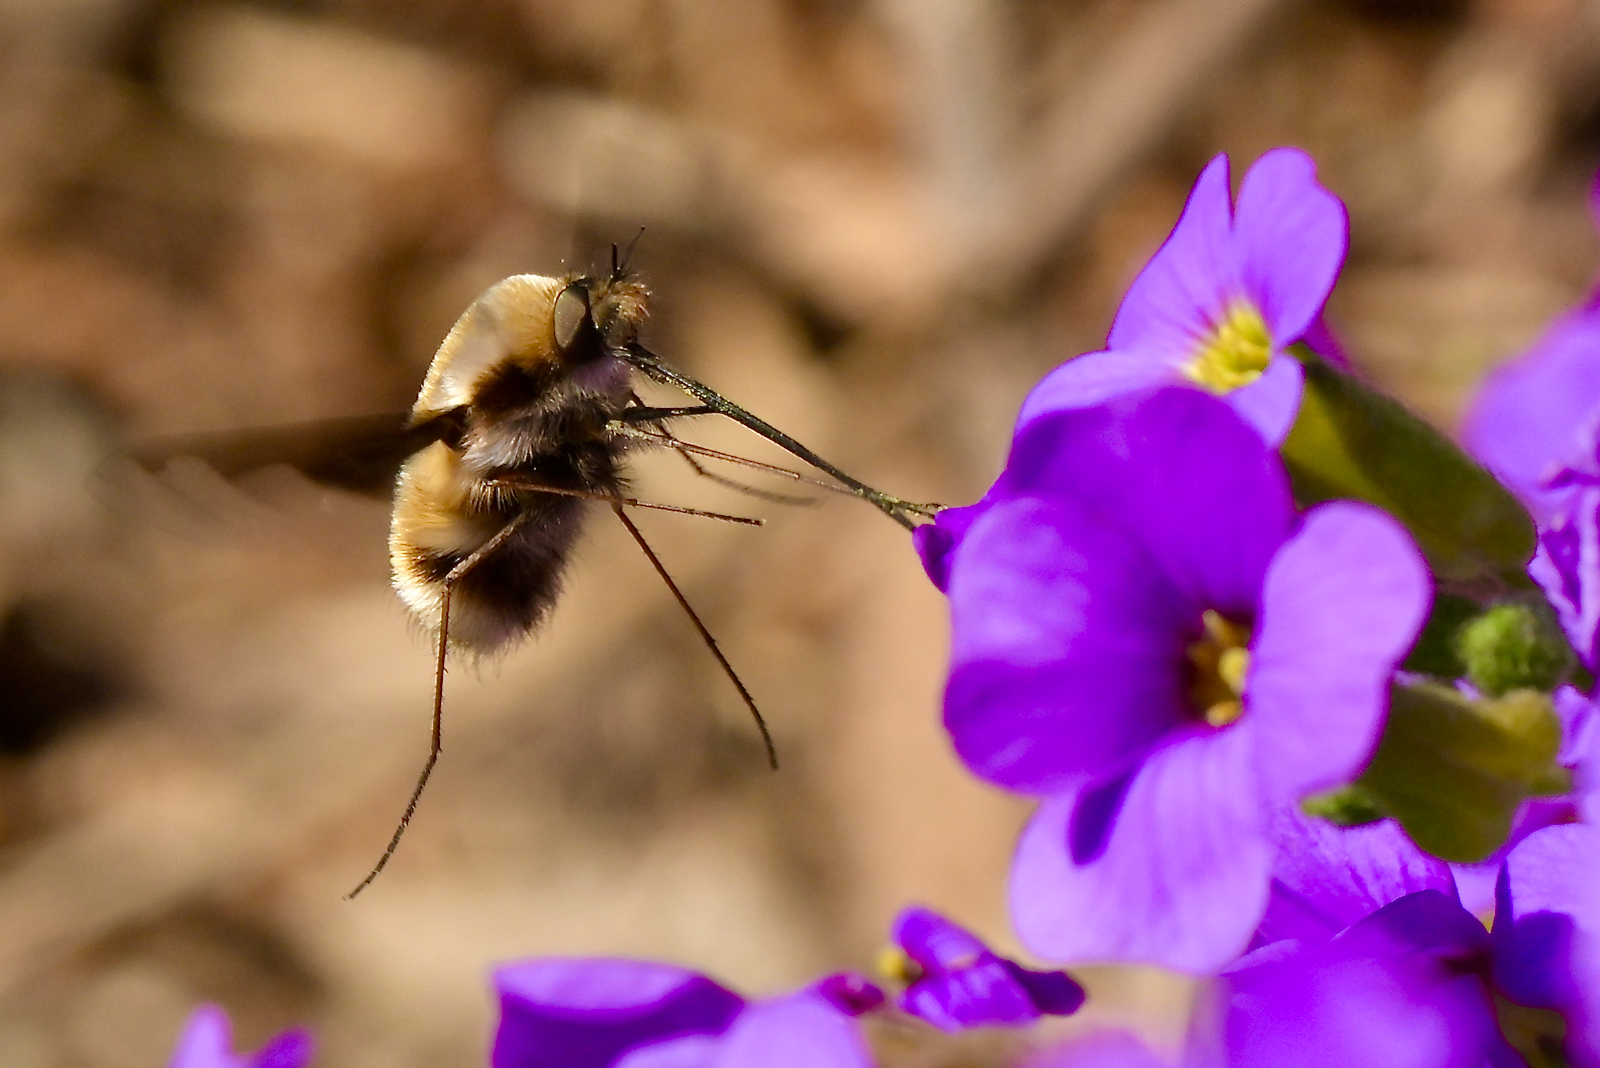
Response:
column 620, row 269
column 903, row 512
column 451, row 580
column 705, row 635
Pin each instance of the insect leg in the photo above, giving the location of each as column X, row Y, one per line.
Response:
column 689, row 450
column 901, row 511
column 705, row 635
column 641, row 413
column 451, row 580
column 537, row 487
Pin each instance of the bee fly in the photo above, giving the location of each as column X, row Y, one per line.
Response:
column 525, row 420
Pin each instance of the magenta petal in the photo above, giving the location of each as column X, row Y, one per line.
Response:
column 802, row 1031
column 1292, row 235
column 1271, row 402
column 1186, row 287
column 1326, row 878
column 1182, row 881
column 1066, row 646
column 1093, row 378
column 1344, row 599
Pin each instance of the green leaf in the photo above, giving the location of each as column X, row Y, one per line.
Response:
column 1352, row 442
column 1454, row 770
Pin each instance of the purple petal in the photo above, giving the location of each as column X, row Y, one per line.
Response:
column 1185, row 289
column 964, row 984
column 802, row 1031
column 1091, row 379
column 1342, row 604
column 1292, row 235
column 1399, row 990
column 292, row 1049
column 936, row 541
column 587, row 1013
column 207, row 1042
column 1271, row 402
column 1052, row 993
column 1326, row 878
column 1475, row 883
column 1547, row 931
column 1532, row 415
column 984, row 992
column 1066, row 646
column 1320, row 339
column 689, row 1051
column 1178, row 471
column 850, row 992
column 935, row 943
column 1567, row 568
column 1182, row 880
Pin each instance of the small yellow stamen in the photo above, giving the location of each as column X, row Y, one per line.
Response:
column 896, row 967
column 1236, row 353
column 1219, row 663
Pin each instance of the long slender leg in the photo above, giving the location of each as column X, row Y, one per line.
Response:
column 644, row 413
column 456, row 574
column 667, row 440
column 539, row 487
column 705, row 635
column 901, row 511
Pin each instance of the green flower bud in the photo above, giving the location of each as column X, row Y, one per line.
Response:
column 1516, row 645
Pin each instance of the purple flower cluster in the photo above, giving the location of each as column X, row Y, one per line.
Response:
column 1152, row 638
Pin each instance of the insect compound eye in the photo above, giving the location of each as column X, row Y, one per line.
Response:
column 570, row 316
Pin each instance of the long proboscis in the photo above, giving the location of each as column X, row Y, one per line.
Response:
column 903, row 512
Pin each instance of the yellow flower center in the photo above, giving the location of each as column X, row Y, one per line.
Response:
column 896, row 967
column 1218, row 664
column 1236, row 353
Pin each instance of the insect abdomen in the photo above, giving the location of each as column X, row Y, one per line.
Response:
column 441, row 516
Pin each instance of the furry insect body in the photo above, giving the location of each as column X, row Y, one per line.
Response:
column 532, row 412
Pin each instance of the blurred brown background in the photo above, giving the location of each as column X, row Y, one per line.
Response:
column 874, row 222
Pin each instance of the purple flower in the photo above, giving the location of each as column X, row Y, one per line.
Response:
column 1406, row 987
column 1222, row 299
column 958, row 982
column 207, row 1042
column 577, row 1013
column 1547, row 931
column 1146, row 634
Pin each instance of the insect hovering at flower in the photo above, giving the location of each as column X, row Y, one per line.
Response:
column 525, row 421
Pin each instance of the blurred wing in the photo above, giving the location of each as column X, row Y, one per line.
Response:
column 362, row 454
